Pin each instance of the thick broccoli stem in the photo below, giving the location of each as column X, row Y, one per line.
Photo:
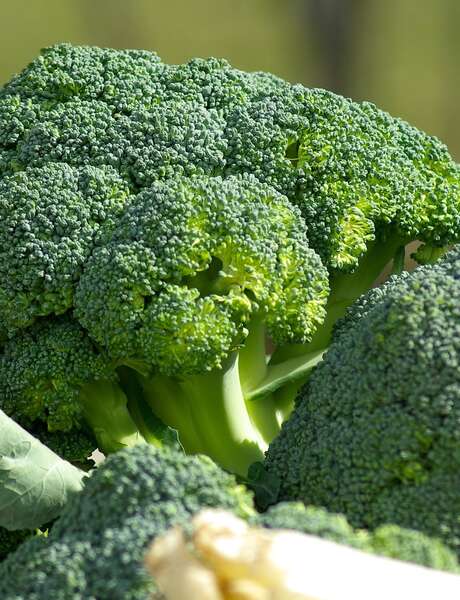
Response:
column 210, row 413
column 106, row 412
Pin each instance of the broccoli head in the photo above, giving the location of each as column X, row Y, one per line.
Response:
column 184, row 214
column 96, row 547
column 374, row 434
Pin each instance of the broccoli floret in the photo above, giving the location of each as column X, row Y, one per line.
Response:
column 52, row 374
column 96, row 548
column 375, row 431
column 314, row 521
column 194, row 276
column 10, row 540
column 387, row 540
column 48, row 219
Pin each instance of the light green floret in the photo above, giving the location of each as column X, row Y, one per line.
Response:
column 185, row 291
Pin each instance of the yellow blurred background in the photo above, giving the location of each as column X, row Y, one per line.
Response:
column 401, row 54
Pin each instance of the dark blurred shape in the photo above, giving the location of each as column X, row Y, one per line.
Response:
column 334, row 25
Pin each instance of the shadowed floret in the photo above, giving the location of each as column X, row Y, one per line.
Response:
column 53, row 377
column 48, row 220
column 375, row 431
column 97, row 546
column 10, row 540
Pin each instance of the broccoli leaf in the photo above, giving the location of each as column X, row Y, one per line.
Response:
column 34, row 482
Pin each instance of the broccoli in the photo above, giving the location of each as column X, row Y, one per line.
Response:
column 387, row 540
column 206, row 227
column 374, row 434
column 96, row 547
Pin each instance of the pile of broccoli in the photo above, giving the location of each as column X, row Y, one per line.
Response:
column 182, row 249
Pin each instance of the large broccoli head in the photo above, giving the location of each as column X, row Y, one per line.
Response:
column 97, row 546
column 375, row 431
column 156, row 204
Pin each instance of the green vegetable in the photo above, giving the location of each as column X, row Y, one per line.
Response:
column 34, row 482
column 10, row 540
column 375, row 431
column 193, row 232
column 96, row 548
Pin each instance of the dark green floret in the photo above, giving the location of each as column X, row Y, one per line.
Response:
column 10, row 540
column 96, row 548
column 375, row 431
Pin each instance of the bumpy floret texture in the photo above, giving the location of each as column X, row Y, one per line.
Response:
column 350, row 167
column 97, row 546
column 375, row 431
column 48, row 219
column 187, row 266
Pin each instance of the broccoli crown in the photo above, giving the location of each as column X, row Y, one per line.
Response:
column 96, row 547
column 10, row 540
column 189, row 264
column 350, row 167
column 375, row 431
column 387, row 540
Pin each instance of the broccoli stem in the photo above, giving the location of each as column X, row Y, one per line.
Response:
column 211, row 415
column 105, row 410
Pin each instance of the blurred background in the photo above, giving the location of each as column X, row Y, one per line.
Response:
column 401, row 54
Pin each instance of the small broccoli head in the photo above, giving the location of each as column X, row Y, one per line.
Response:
column 375, row 431
column 52, row 375
column 97, row 546
column 48, row 219
column 413, row 546
column 188, row 266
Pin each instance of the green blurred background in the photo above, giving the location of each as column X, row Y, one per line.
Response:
column 400, row 54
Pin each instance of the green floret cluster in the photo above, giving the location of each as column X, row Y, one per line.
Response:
column 193, row 232
column 96, row 548
column 375, row 431
column 180, row 246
